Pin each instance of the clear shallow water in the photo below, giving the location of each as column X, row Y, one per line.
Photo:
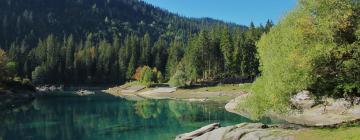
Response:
column 104, row 117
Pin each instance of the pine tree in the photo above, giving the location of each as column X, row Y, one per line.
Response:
column 69, row 58
column 175, row 54
column 122, row 70
column 131, row 68
column 268, row 25
column 227, row 49
column 191, row 61
column 217, row 59
column 252, row 64
column 145, row 50
column 160, row 53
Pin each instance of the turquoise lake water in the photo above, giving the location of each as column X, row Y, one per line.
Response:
column 104, row 117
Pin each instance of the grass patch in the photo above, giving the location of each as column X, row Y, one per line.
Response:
column 227, row 88
column 345, row 133
column 221, row 99
column 246, row 87
column 134, row 83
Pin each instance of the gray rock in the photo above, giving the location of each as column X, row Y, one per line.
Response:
column 339, row 105
column 252, row 126
column 303, row 95
column 256, row 135
column 237, row 134
column 199, row 132
column 216, row 134
column 319, row 110
column 244, row 131
column 274, row 137
column 302, row 100
column 355, row 110
column 356, row 100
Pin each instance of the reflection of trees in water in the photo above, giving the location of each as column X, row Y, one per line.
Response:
column 171, row 109
column 177, row 110
column 148, row 109
column 194, row 111
column 104, row 118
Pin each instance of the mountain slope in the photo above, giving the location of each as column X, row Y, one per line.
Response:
column 33, row 19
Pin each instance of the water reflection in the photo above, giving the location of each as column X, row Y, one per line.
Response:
column 107, row 118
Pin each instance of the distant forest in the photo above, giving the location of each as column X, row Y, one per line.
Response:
column 78, row 42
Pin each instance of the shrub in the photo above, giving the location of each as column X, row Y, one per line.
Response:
column 147, row 76
column 159, row 77
column 138, row 73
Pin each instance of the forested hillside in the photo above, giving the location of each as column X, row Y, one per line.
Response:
column 105, row 41
column 24, row 20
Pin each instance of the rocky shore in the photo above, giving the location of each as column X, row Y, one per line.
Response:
column 311, row 113
column 305, row 114
column 243, row 131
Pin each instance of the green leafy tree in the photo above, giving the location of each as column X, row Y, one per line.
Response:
column 38, row 75
column 313, row 48
column 179, row 78
column 147, row 76
column 159, row 77
column 11, row 68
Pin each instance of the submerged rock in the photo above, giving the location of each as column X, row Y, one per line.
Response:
column 84, row 92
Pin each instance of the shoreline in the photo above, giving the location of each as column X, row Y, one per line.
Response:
column 230, row 98
column 291, row 130
column 202, row 94
column 311, row 117
column 10, row 99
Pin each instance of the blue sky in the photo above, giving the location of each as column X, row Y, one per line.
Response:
column 237, row 11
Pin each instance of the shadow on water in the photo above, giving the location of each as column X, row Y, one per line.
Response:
column 103, row 117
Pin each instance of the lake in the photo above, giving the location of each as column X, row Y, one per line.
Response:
column 104, row 117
